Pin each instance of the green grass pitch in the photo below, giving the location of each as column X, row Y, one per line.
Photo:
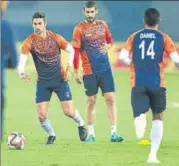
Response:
column 68, row 150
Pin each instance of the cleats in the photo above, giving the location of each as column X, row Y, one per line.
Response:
column 50, row 140
column 152, row 159
column 90, row 138
column 82, row 133
column 116, row 138
column 144, row 142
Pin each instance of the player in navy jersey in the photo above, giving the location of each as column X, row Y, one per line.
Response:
column 92, row 40
column 8, row 50
column 147, row 48
column 45, row 47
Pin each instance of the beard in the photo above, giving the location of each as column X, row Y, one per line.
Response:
column 90, row 19
column 38, row 31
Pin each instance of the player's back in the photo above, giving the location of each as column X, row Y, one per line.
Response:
column 147, row 56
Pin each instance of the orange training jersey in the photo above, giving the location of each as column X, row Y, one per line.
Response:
column 147, row 47
column 89, row 38
column 46, row 53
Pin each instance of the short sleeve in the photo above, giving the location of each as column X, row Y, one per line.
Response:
column 169, row 46
column 77, row 37
column 26, row 46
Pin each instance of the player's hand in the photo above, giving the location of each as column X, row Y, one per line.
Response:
column 67, row 75
column 24, row 77
column 104, row 48
column 78, row 77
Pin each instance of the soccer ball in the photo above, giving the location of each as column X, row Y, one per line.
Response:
column 16, row 141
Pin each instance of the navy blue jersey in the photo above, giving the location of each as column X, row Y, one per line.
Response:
column 147, row 47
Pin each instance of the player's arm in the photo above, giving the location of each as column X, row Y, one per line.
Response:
column 63, row 44
column 26, row 46
column 170, row 49
column 124, row 55
column 77, row 45
column 70, row 52
column 109, row 40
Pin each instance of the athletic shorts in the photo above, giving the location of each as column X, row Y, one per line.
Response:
column 103, row 80
column 144, row 98
column 45, row 88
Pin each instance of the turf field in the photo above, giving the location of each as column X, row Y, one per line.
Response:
column 68, row 150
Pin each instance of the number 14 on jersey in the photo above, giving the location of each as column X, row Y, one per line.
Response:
column 150, row 49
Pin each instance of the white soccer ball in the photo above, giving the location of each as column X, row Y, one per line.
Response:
column 16, row 141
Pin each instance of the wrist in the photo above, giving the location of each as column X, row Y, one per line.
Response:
column 76, row 71
column 68, row 68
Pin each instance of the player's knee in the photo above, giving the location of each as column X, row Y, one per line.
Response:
column 67, row 108
column 158, row 116
column 91, row 101
column 110, row 100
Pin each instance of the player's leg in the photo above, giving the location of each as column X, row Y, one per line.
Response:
column 91, row 87
column 106, row 83
column 158, row 105
column 140, row 105
column 64, row 94
column 43, row 96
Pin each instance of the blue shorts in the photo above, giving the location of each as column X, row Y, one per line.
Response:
column 103, row 80
column 144, row 98
column 45, row 88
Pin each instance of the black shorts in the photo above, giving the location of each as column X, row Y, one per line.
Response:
column 144, row 98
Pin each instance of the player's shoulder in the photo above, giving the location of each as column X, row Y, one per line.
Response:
column 52, row 34
column 135, row 33
column 29, row 38
column 165, row 35
column 56, row 36
column 100, row 21
column 80, row 25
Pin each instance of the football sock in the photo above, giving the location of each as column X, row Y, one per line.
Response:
column 156, row 136
column 91, row 130
column 77, row 118
column 113, row 129
column 140, row 124
column 47, row 127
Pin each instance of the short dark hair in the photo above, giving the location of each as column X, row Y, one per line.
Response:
column 90, row 4
column 152, row 17
column 39, row 15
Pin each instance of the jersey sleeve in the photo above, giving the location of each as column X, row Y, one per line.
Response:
column 109, row 38
column 62, row 42
column 77, row 37
column 129, row 43
column 169, row 46
column 26, row 46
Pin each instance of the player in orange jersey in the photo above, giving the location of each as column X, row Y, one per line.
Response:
column 92, row 40
column 147, row 76
column 45, row 47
